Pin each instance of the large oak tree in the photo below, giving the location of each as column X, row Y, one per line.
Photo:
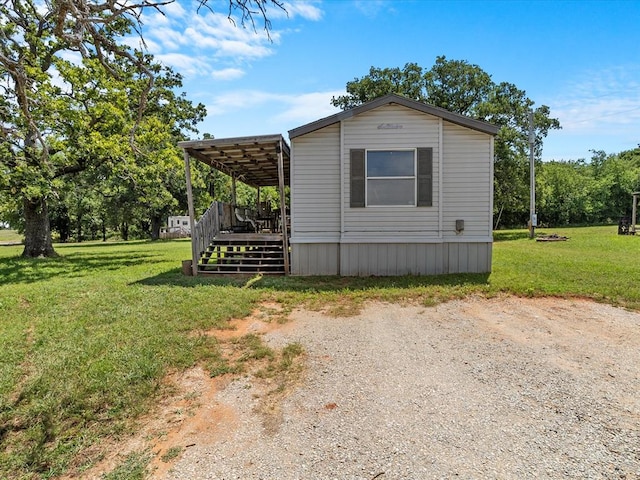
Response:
column 40, row 104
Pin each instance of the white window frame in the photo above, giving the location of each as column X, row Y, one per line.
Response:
column 414, row 177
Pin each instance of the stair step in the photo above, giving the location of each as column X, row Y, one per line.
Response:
column 244, row 254
column 241, row 268
column 254, row 266
column 214, row 273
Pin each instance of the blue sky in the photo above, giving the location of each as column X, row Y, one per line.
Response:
column 581, row 58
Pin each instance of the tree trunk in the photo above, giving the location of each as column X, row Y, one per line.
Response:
column 124, row 231
column 156, row 225
column 37, row 230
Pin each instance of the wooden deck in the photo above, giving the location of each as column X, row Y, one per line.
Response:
column 244, row 253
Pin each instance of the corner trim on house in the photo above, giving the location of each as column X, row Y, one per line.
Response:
column 491, row 167
column 440, row 178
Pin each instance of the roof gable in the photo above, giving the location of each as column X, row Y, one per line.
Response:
column 392, row 98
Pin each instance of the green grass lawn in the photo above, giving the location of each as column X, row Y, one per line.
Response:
column 88, row 337
column 595, row 262
column 7, row 235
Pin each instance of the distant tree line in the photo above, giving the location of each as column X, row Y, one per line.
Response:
column 587, row 192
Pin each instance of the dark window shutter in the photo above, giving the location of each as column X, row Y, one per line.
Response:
column 425, row 177
column 357, row 178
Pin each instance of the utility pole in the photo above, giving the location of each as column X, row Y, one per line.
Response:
column 533, row 219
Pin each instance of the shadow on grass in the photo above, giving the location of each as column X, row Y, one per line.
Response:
column 318, row 283
column 507, row 235
column 75, row 264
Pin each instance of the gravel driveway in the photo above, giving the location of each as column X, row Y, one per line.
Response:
column 499, row 388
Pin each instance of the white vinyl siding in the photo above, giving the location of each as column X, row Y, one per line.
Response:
column 467, row 182
column 315, row 185
column 391, row 127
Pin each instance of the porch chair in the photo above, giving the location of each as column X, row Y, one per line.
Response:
column 242, row 217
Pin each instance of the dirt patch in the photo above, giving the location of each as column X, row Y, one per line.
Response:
column 194, row 417
column 259, row 322
column 190, row 414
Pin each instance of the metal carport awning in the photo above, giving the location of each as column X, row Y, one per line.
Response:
column 252, row 160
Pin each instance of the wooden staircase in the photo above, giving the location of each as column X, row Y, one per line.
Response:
column 244, row 254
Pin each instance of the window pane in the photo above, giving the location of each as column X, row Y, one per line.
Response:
column 391, row 192
column 390, row 163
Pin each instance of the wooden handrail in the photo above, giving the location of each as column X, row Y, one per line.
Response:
column 207, row 228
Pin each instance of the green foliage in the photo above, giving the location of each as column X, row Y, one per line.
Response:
column 172, row 453
column 458, row 86
column 381, row 81
column 254, row 348
column 579, row 192
column 111, row 115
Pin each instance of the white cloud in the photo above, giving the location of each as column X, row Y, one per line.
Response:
column 254, row 112
column 236, row 48
column 173, row 13
column 600, row 110
column 304, row 9
column 215, row 32
column 185, row 64
column 227, row 74
column 205, row 42
column 168, row 38
column 175, row 10
column 72, row 57
column 148, row 45
column 308, row 107
column 283, row 108
column 373, row 8
column 218, row 25
column 606, row 101
column 240, row 100
column 156, row 19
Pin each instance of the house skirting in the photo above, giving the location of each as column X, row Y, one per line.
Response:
column 388, row 259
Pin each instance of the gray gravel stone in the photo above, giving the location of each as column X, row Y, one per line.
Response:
column 475, row 389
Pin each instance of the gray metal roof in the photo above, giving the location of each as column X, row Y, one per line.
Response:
column 252, row 160
column 456, row 118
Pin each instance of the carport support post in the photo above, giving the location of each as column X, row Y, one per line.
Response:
column 192, row 215
column 234, row 202
column 283, row 209
column 258, row 209
column 532, row 180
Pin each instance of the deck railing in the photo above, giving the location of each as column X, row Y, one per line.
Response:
column 207, row 227
column 226, row 218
